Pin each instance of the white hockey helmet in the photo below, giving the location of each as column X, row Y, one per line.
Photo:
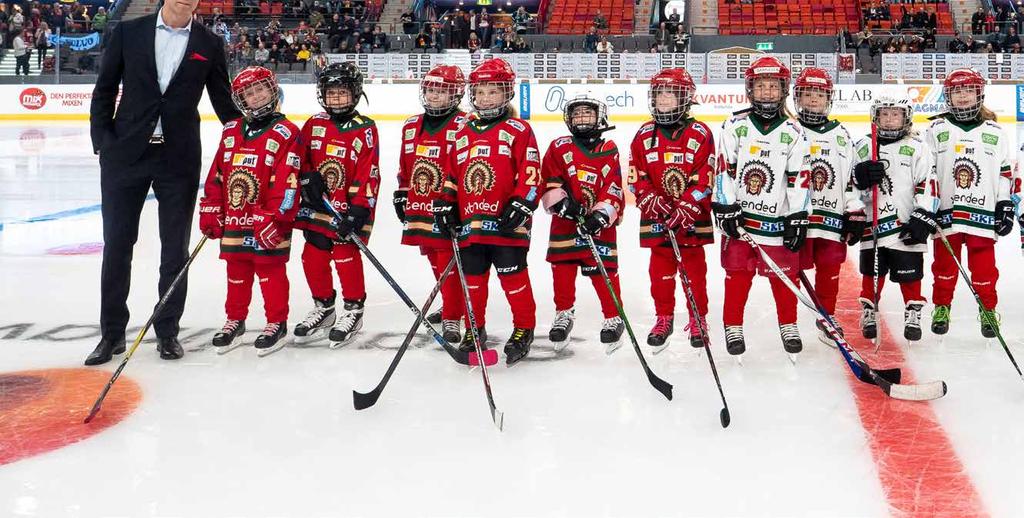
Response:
column 893, row 99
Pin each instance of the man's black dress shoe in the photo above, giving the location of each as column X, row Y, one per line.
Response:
column 105, row 350
column 169, row 348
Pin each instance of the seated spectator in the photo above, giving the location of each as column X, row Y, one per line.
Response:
column 682, row 40
column 365, row 41
column 247, row 55
column 590, row 41
column 604, row 46
column 380, row 39
column 261, row 55
column 600, row 23
column 663, row 38
column 99, row 22
column 474, row 42
column 316, row 19
column 275, row 56
column 423, row 40
column 303, row 55
column 521, row 45
column 929, row 38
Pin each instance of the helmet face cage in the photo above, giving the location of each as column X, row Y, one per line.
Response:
column 964, row 114
column 343, row 75
column 454, row 91
column 495, row 111
column 684, row 98
column 908, row 118
column 809, row 117
column 586, row 130
column 767, row 109
column 256, row 112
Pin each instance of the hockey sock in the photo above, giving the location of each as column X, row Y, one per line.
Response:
column 349, row 263
column 520, row 298
column 274, row 286
column 477, row 285
column 240, row 275
column 316, row 264
column 737, row 289
column 564, row 279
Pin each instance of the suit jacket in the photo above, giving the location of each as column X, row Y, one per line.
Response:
column 129, row 60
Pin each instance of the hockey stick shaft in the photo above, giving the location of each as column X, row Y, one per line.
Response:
column 496, row 415
column 659, row 384
column 365, row 400
column 866, row 373
column 977, row 298
column 874, row 239
column 724, row 415
column 142, row 332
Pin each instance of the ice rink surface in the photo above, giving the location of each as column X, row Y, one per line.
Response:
column 585, row 435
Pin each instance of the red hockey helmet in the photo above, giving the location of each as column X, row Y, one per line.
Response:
column 494, row 71
column 957, row 84
column 245, row 92
column 442, row 89
column 678, row 83
column 767, row 67
column 813, row 80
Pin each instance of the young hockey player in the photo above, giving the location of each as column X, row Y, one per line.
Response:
column 837, row 218
column 488, row 200
column 762, row 186
column 425, row 141
column 671, row 164
column 907, row 200
column 973, row 169
column 584, row 180
column 340, row 160
column 249, row 203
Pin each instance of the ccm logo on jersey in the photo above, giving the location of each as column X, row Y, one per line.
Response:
column 243, row 160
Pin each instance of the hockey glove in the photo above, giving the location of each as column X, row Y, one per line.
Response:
column 854, row 224
column 654, row 206
column 1004, row 217
column 446, row 217
column 595, row 222
column 728, row 217
column 265, row 229
column 517, row 212
column 352, row 221
column 868, row 174
column 684, row 215
column 921, row 225
column 211, row 219
column 568, row 208
column 313, row 188
column 399, row 201
column 794, row 231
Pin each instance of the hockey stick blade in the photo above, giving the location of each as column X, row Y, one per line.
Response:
column 659, row 384
column 724, row 417
column 490, row 358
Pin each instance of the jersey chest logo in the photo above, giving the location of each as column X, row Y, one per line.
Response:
column 674, row 182
column 822, row 175
column 966, row 173
column 426, row 177
column 333, row 173
column 242, row 188
column 479, row 177
column 756, row 177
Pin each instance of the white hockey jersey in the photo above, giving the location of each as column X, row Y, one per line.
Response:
column 831, row 181
column 974, row 171
column 765, row 170
column 909, row 183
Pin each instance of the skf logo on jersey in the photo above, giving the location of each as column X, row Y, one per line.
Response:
column 244, row 160
column 229, row 142
column 673, row 180
column 479, row 177
column 966, row 173
column 674, row 158
column 333, row 173
column 242, row 188
column 335, row 151
column 822, row 175
column 480, row 151
column 757, row 177
column 426, row 177
column 428, row 151
column 320, row 131
column 272, row 145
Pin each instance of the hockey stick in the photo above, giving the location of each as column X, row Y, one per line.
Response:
column 659, row 384
column 977, row 298
column 142, row 332
column 362, row 400
column 874, row 239
column 860, row 368
column 890, row 375
column 496, row 415
column 723, row 416
column 458, row 356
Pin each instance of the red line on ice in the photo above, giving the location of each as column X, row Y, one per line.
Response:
column 917, row 465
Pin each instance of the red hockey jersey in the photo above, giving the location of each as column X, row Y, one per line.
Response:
column 592, row 178
column 421, row 172
column 347, row 157
column 260, row 171
column 489, row 163
column 674, row 165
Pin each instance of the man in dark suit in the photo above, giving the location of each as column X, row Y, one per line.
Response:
column 163, row 61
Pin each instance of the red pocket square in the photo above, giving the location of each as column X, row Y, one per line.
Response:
column 198, row 57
